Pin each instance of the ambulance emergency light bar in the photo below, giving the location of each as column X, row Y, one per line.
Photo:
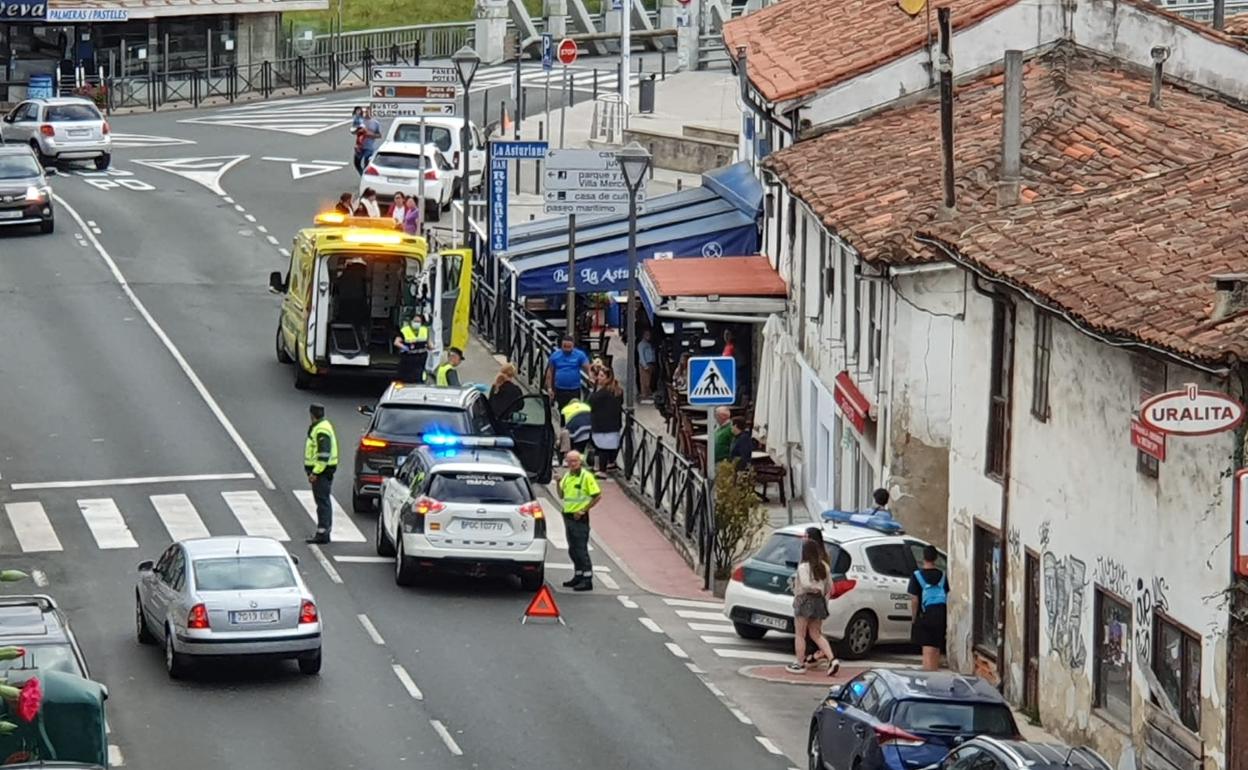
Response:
column 880, row 521
column 339, row 219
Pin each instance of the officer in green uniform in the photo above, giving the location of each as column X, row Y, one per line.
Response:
column 579, row 491
column 320, row 460
column 412, row 343
column 446, row 376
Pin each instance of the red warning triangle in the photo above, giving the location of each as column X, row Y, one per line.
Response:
column 543, row 605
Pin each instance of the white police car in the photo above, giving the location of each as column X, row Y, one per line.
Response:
column 872, row 563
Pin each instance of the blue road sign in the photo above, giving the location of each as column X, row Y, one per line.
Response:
column 520, row 150
column 712, row 381
column 498, row 202
column 548, row 51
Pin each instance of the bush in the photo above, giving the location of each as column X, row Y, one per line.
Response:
column 739, row 517
column 97, row 94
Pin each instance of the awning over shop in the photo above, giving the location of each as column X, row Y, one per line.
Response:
column 712, row 286
column 720, row 217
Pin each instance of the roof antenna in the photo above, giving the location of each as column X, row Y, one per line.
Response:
column 1069, row 754
column 238, row 548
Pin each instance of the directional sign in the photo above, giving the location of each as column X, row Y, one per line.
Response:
column 712, row 381
column 548, row 51
column 568, row 51
column 438, row 93
column 586, row 182
column 520, row 150
column 414, row 92
column 413, row 109
column 435, row 75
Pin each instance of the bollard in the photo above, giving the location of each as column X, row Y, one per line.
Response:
column 678, row 184
column 571, row 89
column 650, row 149
column 595, row 84
column 663, row 65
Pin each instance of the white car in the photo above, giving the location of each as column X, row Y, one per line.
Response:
column 445, row 134
column 398, row 167
column 871, row 571
column 60, row 129
column 462, row 505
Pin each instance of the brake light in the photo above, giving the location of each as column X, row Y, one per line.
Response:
column 842, row 587
column 427, row 505
column 307, row 612
column 533, row 509
column 431, row 175
column 371, row 171
column 895, row 736
column 104, row 128
column 373, row 443
column 198, row 618
column 738, row 574
column 47, row 130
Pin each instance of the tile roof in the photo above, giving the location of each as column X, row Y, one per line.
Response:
column 1134, row 261
column 723, row 276
column 1086, row 126
column 1236, row 25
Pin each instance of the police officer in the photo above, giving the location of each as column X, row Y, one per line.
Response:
column 413, row 345
column 579, row 491
column 578, row 424
column 445, row 376
column 320, row 460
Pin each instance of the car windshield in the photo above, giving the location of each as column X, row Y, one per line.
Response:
column 484, row 488
column 401, row 160
column 963, row 718
column 71, row 113
column 438, row 136
column 413, row 422
column 18, row 166
column 49, row 657
column 245, row 573
column 785, row 550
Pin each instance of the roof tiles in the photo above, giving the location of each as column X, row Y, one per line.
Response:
column 722, row 276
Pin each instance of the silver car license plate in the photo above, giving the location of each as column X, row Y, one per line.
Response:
column 80, row 132
column 246, row 617
column 767, row 621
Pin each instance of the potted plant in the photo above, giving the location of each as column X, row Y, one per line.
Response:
column 739, row 519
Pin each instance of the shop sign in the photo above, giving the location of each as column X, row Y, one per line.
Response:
column 23, row 10
column 1192, row 412
column 852, row 403
column 1148, row 440
column 87, row 15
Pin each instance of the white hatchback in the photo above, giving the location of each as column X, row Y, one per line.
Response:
column 446, row 135
column 871, row 571
column 398, row 167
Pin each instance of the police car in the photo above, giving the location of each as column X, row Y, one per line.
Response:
column 872, row 563
column 462, row 505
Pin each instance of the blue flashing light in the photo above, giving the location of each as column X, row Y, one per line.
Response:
column 880, row 521
column 457, row 441
column 441, row 439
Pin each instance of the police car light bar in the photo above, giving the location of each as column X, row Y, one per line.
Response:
column 880, row 521
column 473, row 442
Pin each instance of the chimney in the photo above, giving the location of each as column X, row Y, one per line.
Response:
column 1159, row 53
column 1011, row 130
column 946, row 105
column 1230, row 295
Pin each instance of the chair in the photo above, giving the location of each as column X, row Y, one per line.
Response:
column 766, row 473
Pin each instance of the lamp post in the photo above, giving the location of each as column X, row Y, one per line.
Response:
column 635, row 163
column 466, row 62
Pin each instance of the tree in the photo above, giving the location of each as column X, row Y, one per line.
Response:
column 739, row 517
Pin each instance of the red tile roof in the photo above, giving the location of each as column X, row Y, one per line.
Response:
column 1236, row 25
column 722, row 276
column 1086, row 126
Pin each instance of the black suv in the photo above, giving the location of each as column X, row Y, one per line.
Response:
column 36, row 624
column 406, row 414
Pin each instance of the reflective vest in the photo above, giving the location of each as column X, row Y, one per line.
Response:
column 442, row 371
column 936, row 593
column 579, row 490
column 412, row 336
column 316, row 460
column 574, row 408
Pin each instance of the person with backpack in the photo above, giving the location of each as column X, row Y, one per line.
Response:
column 929, row 597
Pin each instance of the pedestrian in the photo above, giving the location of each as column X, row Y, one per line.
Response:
column 368, row 205
column 398, row 209
column 880, row 497
column 680, row 380
column 320, row 460
column 723, row 433
column 730, row 345
column 445, row 375
column 370, row 129
column 357, row 133
column 742, row 452
column 811, row 586
column 504, row 393
column 345, row 205
column 563, row 372
column 579, row 491
column 607, row 420
column 929, row 597
column 578, row 422
column 647, row 361
column 814, row 654
column 412, row 342
column 412, row 216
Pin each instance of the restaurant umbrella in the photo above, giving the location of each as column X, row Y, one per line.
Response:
column 776, row 416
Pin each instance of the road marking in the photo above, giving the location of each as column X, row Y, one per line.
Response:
column 723, row 640
column 179, row 517
column 740, row 715
column 712, row 627
column 753, row 655
column 281, row 160
column 106, row 523
column 272, row 240
column 115, row 758
column 32, row 527
column 365, row 559
column 249, row 217
column 133, row 481
column 406, row 680
column 675, row 650
column 556, row 534
column 694, row 604
column 370, row 629
column 173, row 350
column 285, row 252
column 718, row 693
column 40, row 577
column 334, row 577
column 566, row 565
column 254, row 514
column 344, row 529
column 699, row 615
column 261, row 228
column 695, row 668
column 650, row 624
column 206, row 171
column 304, row 170
column 227, row 199
column 608, row 581
column 627, row 602
column 239, row 208
column 445, row 735
column 145, row 140
column 767, row 744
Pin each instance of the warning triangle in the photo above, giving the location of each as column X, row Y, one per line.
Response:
column 205, row 171
column 710, row 384
column 543, row 605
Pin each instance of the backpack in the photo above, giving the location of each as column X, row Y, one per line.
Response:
column 936, row 593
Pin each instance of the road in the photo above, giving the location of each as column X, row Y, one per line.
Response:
column 142, row 397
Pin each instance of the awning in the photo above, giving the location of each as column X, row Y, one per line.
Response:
column 720, row 217
column 712, row 286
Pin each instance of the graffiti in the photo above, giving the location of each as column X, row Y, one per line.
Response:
column 1112, row 576
column 1016, row 542
column 1044, row 535
column 1148, row 600
column 1064, row 581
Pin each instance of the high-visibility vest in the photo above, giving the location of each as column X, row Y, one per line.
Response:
column 574, row 408
column 442, row 371
column 319, row 461
column 579, row 490
column 412, row 336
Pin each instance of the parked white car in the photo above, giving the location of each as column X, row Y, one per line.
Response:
column 398, row 167
column 445, row 134
column 871, row 571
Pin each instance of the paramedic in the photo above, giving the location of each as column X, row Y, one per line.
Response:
column 412, row 343
column 446, row 376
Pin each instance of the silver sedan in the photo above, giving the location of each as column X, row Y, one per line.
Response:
column 227, row 597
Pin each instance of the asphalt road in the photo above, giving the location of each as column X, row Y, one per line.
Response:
column 164, row 396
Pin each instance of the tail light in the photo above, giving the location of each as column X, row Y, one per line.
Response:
column 533, row 509
column 427, row 505
column 842, row 587
column 431, row 175
column 104, row 129
column 371, row 171
column 368, row 444
column 307, row 612
column 738, row 574
column 887, row 735
column 198, row 617
column 47, row 130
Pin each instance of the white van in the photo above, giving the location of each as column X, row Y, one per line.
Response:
column 444, row 133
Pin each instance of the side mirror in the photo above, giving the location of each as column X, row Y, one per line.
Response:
column 834, row 692
column 146, row 566
column 366, row 410
column 276, row 284
column 51, row 171
column 295, row 559
column 8, row 118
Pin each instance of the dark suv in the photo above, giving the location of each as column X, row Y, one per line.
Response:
column 38, row 626
column 406, row 415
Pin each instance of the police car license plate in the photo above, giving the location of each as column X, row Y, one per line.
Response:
column 767, row 621
column 243, row 617
column 484, row 525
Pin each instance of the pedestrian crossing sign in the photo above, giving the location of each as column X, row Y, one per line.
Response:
column 712, row 381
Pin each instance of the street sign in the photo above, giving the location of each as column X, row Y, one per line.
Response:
column 438, row 93
column 413, row 92
column 393, row 109
column 436, row 75
column 498, row 204
column 588, row 182
column 548, row 51
column 568, row 51
column 712, row 381
column 521, row 150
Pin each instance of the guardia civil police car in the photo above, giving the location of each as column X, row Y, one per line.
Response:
column 872, row 562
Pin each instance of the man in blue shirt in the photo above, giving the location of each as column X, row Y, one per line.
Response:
column 563, row 372
column 646, row 362
column 371, row 130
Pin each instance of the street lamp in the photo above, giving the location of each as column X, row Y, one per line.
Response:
column 634, row 162
column 466, row 62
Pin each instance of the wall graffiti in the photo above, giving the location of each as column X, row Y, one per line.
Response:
column 1064, row 583
column 1112, row 575
column 1016, row 542
column 1149, row 599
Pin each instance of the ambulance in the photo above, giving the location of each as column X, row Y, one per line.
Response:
column 351, row 285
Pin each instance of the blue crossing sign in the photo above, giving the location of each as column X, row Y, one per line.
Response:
column 712, row 381
column 548, row 51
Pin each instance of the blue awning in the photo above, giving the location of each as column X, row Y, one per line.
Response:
column 720, row 218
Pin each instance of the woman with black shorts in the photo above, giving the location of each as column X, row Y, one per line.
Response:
column 929, row 597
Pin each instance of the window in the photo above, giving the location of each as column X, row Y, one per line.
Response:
column 245, row 573
column 843, row 298
column 1151, row 375
column 857, row 688
column 956, row 718
column 480, row 488
column 987, row 605
column 1040, row 366
column 856, row 343
column 412, row 422
column 999, row 392
column 889, row 560
column 916, row 550
column 1176, row 661
column 873, row 328
column 786, row 550
column 438, row 136
column 1113, row 656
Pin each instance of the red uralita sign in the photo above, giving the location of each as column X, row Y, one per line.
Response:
column 1192, row 412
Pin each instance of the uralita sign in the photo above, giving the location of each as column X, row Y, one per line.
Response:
column 1192, row 412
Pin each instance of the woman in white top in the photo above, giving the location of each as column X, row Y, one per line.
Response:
column 398, row 209
column 811, row 587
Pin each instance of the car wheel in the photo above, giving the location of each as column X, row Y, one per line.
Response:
column 103, row 162
column 282, row 356
column 175, row 662
column 303, row 380
column 860, row 633
column 746, row 631
column 140, row 624
column 383, row 544
column 310, row 664
column 362, row 504
column 44, row 160
column 532, row 581
column 814, row 751
column 47, row 226
column 406, row 573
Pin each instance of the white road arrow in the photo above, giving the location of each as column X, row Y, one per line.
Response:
column 205, row 171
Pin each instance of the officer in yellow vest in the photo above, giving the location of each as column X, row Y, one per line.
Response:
column 320, row 460
column 577, row 424
column 579, row 491
column 446, row 376
column 412, row 343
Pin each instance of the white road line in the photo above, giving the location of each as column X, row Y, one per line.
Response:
column 90, row 223
column 627, row 602
column 32, row 527
column 695, row 668
column 272, row 240
column 285, row 252
column 650, row 624
column 331, row 162
column 675, row 650
column 406, row 680
column 740, row 715
column 753, row 655
column 40, row 577
column 711, row 627
column 254, row 514
column 365, row 559
column 249, row 217
column 724, row 640
column 261, row 228
column 767, row 744
column 344, row 529
column 699, row 615
column 179, row 516
column 239, row 208
column 227, row 199
column 445, row 735
column 718, row 693
column 334, row 577
column 281, row 160
column 370, row 629
column 694, row 604
column 173, row 350
column 107, row 526
column 133, row 481
column 607, row 581
column 115, row 758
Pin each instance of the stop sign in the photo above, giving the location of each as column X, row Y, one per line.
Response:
column 567, row 51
